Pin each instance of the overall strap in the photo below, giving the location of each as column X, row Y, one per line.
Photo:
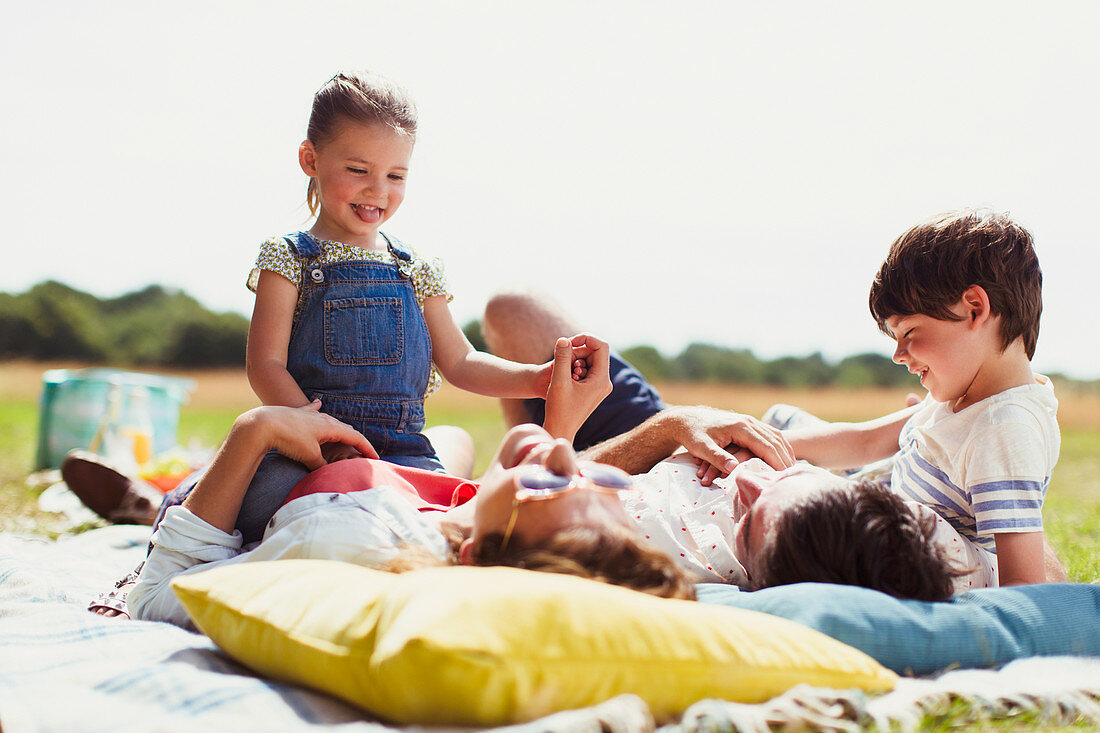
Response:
column 303, row 245
column 401, row 251
column 398, row 249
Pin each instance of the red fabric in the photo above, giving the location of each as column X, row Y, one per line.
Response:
column 427, row 490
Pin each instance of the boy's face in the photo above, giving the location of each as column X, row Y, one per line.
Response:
column 947, row 355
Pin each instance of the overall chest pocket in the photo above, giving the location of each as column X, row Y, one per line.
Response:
column 364, row 331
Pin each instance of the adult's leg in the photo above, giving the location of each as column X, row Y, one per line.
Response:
column 454, row 447
column 523, row 326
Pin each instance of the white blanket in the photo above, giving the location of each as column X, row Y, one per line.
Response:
column 64, row 669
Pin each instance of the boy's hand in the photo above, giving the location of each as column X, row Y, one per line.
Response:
column 707, row 473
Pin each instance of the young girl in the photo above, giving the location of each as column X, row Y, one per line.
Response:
column 353, row 317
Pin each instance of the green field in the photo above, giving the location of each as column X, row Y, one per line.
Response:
column 1072, row 511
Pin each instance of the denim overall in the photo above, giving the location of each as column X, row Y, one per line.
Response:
column 360, row 345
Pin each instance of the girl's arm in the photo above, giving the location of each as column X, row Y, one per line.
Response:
column 849, row 445
column 475, row 371
column 269, row 339
column 1020, row 558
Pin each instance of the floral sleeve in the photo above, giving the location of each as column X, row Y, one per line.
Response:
column 429, row 280
column 277, row 256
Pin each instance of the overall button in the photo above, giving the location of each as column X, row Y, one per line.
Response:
column 317, row 275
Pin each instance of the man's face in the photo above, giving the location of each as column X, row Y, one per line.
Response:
column 765, row 495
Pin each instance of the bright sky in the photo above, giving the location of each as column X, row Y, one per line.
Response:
column 727, row 172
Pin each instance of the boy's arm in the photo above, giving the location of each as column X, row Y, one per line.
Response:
column 476, row 371
column 1020, row 558
column 849, row 445
column 269, row 339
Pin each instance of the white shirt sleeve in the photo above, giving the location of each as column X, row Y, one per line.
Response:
column 182, row 542
column 368, row 528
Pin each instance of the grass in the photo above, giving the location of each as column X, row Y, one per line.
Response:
column 1071, row 514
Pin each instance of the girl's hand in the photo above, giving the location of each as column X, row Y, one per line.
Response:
column 333, row 452
column 582, row 347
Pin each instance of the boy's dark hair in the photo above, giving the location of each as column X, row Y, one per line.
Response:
column 862, row 534
column 931, row 265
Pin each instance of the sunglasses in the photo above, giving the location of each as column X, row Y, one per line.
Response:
column 536, row 483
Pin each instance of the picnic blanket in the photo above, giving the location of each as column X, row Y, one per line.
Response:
column 64, row 669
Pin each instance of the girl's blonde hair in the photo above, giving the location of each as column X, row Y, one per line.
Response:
column 357, row 96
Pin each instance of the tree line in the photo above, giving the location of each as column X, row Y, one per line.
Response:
column 158, row 327
column 149, row 327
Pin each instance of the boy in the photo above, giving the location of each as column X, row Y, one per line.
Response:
column 961, row 296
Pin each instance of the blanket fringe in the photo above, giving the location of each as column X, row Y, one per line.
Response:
column 1046, row 691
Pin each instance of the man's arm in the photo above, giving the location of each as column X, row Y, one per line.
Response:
column 704, row 431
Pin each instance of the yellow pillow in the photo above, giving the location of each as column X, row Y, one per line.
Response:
column 490, row 646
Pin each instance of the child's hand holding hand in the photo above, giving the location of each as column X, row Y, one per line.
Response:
column 582, row 348
column 571, row 399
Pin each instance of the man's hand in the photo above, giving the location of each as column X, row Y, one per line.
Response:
column 574, row 393
column 713, row 436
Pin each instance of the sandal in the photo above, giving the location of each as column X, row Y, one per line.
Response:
column 108, row 492
column 113, row 602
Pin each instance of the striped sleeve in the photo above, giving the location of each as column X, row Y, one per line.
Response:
column 1007, row 475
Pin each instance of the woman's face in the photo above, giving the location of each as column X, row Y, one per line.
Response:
column 538, row 520
column 765, row 494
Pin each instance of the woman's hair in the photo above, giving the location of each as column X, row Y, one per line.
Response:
column 357, row 96
column 862, row 534
column 617, row 558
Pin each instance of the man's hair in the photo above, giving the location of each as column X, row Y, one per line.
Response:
column 930, row 266
column 862, row 534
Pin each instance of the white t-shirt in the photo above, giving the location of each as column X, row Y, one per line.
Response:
column 986, row 468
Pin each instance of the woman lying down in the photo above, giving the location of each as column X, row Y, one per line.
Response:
column 540, row 507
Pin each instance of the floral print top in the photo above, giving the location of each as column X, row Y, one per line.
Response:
column 427, row 276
